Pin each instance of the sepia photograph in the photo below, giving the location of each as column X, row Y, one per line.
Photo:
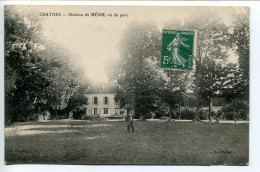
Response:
column 126, row 85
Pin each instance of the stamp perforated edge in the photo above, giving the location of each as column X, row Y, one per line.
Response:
column 195, row 58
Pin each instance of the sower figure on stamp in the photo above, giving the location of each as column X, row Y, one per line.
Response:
column 130, row 122
column 175, row 47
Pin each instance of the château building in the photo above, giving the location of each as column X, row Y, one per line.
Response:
column 101, row 100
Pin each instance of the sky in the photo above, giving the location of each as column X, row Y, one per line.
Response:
column 95, row 40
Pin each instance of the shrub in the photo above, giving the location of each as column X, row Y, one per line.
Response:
column 203, row 114
column 186, row 114
column 241, row 111
column 160, row 113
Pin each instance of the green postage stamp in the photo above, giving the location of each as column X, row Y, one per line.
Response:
column 178, row 49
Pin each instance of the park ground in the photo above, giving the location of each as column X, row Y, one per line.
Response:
column 107, row 142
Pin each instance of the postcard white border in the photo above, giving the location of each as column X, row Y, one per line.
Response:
column 254, row 148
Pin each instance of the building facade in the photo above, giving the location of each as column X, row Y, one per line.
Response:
column 102, row 105
column 101, row 101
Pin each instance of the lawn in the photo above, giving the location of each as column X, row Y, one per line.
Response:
column 107, row 142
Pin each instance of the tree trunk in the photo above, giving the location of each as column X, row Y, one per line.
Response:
column 209, row 115
column 197, row 116
column 238, row 113
column 70, row 115
column 198, row 62
column 170, row 114
column 179, row 110
column 234, row 112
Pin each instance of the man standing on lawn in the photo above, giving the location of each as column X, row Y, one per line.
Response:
column 130, row 122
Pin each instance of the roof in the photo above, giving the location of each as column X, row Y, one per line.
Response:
column 102, row 88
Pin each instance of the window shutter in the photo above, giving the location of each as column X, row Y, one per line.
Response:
column 104, row 100
column 92, row 100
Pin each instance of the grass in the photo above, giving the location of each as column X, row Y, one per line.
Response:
column 107, row 142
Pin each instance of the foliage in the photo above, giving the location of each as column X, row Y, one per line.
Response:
column 77, row 114
column 240, row 39
column 186, row 114
column 213, row 45
column 235, row 91
column 23, row 80
column 211, row 76
column 203, row 114
column 38, row 76
column 160, row 112
column 140, row 79
column 234, row 84
column 241, row 111
column 77, row 100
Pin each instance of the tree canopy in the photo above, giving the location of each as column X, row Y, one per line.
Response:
column 214, row 75
column 38, row 74
column 140, row 79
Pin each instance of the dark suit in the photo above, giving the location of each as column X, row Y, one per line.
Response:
column 130, row 122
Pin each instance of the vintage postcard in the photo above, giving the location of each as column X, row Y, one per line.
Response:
column 126, row 85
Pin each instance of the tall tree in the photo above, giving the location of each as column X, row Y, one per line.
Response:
column 234, row 88
column 38, row 76
column 181, row 84
column 22, row 78
column 140, row 78
column 240, row 39
column 213, row 44
column 211, row 79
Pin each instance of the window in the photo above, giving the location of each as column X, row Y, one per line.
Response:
column 95, row 100
column 105, row 100
column 85, row 111
column 101, row 88
column 105, row 110
column 95, row 111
